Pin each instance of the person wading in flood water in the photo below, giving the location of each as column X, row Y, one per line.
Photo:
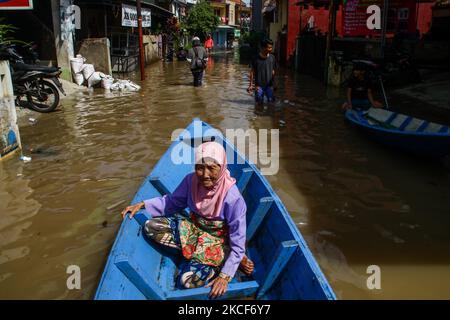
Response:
column 262, row 73
column 197, row 57
column 212, row 240
column 209, row 44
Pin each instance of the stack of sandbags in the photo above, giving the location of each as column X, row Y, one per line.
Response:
column 86, row 72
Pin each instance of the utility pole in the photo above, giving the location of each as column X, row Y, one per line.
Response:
column 384, row 27
column 330, row 35
column 141, row 44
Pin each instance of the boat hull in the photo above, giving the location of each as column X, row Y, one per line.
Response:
column 420, row 143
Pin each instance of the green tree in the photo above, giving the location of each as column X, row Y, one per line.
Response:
column 201, row 20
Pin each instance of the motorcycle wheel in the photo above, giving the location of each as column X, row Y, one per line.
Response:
column 44, row 97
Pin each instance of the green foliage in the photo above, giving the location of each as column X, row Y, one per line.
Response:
column 201, row 20
column 253, row 39
column 5, row 31
column 249, row 44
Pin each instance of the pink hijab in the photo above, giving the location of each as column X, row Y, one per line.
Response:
column 208, row 202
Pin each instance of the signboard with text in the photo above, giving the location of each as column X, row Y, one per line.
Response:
column 401, row 17
column 16, row 4
column 355, row 17
column 129, row 17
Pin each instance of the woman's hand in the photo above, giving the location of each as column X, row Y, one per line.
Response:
column 219, row 287
column 132, row 209
column 247, row 266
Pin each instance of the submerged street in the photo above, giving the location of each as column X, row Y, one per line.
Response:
column 355, row 202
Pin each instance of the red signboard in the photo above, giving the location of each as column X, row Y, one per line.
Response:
column 401, row 17
column 355, row 17
column 16, row 4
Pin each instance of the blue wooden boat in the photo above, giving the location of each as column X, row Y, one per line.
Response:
column 284, row 266
column 403, row 132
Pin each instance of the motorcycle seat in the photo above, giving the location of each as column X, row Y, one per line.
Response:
column 34, row 67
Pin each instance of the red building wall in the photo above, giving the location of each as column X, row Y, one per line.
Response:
column 293, row 26
column 424, row 17
column 320, row 22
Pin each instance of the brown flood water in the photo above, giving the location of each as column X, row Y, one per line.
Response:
column 356, row 203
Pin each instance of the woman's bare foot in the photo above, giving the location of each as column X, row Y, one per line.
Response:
column 247, row 266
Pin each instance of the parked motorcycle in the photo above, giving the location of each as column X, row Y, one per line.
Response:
column 34, row 86
column 28, row 52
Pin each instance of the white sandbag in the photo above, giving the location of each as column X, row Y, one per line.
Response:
column 131, row 86
column 127, row 85
column 107, row 82
column 78, row 78
column 88, row 70
column 116, row 86
column 96, row 76
column 94, row 79
column 77, row 63
column 121, row 85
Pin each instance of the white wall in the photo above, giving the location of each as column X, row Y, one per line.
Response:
column 8, row 117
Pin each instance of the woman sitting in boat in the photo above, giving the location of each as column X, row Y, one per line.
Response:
column 212, row 241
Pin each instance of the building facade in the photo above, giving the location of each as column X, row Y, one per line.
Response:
column 229, row 14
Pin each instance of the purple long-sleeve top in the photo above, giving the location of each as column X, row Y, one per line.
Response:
column 233, row 213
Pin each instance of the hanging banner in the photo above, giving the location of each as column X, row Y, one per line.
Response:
column 16, row 4
column 129, row 17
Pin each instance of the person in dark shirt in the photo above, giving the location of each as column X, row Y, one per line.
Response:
column 359, row 90
column 262, row 73
column 197, row 57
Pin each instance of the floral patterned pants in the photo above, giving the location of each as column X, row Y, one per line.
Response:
column 203, row 244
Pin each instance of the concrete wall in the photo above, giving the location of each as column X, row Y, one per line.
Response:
column 63, row 38
column 97, row 52
column 9, row 131
column 282, row 21
column 151, row 49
